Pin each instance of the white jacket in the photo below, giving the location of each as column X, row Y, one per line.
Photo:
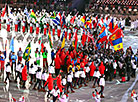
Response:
column 8, row 69
column 38, row 75
column 45, row 76
column 102, row 82
column 32, row 70
column 77, row 74
column 64, row 81
column 69, row 78
column 51, row 69
column 133, row 64
column 96, row 74
column 83, row 75
column 18, row 67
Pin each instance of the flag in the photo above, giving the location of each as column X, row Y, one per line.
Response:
column 41, row 44
column 116, row 34
column 27, row 52
column 12, row 45
column 63, row 19
column 73, row 18
column 26, row 12
column 56, row 20
column 63, row 40
column 111, row 25
column 3, row 12
column 53, row 15
column 49, row 38
column 42, row 17
column 33, row 15
column 117, row 44
column 83, row 19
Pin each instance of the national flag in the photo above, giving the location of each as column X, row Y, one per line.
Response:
column 111, row 25
column 83, row 19
column 117, row 44
column 116, row 34
column 9, row 11
column 94, row 24
column 56, row 20
column 33, row 15
column 73, row 18
column 42, row 17
column 41, row 44
column 49, row 38
column 12, row 45
column 89, row 23
column 63, row 40
column 102, row 35
column 63, row 22
column 53, row 15
column 3, row 12
column 27, row 52
column 26, row 12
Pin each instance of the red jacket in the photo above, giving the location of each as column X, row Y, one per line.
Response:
column 50, row 82
column 92, row 69
column 63, row 58
column 24, row 73
column 59, row 85
column 57, row 62
column 68, row 60
column 101, row 68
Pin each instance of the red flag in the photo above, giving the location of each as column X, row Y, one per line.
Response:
column 73, row 18
column 3, row 12
column 116, row 34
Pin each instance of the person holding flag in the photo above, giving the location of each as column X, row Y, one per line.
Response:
column 26, row 55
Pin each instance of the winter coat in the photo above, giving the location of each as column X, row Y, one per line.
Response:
column 92, row 69
column 63, row 58
column 24, row 73
column 57, row 62
column 101, row 68
column 102, row 82
column 59, row 84
column 50, row 82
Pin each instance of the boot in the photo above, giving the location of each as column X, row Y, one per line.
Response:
column 80, row 86
column 34, row 88
column 30, row 82
column 93, row 86
column 102, row 96
column 85, row 85
column 67, row 91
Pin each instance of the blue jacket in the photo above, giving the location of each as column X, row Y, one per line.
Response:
column 14, row 58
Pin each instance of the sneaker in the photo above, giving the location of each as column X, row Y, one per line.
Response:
column 75, row 88
column 72, row 91
column 67, row 91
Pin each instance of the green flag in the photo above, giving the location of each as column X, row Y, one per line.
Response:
column 27, row 52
